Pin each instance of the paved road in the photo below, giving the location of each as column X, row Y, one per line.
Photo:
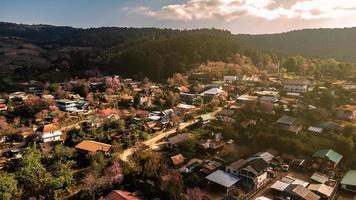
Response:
column 152, row 143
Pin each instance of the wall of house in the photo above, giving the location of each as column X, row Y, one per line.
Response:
column 261, row 179
column 295, row 88
column 51, row 136
column 349, row 188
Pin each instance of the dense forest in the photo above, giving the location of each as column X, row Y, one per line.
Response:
column 53, row 52
column 339, row 44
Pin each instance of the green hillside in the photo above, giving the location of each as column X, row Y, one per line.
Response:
column 325, row 43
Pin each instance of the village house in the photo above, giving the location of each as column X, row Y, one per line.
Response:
column 289, row 124
column 223, row 179
column 235, row 167
column 299, row 86
column 92, row 147
column 230, row 79
column 290, row 191
column 49, row 133
column 66, row 105
column 348, row 182
column 121, row 195
column 211, row 144
column 268, row 99
column 18, row 95
column 266, row 156
column 254, row 175
column 327, row 158
column 174, row 141
column 347, row 112
column 191, row 165
column 324, row 191
column 143, row 100
column 3, row 107
column 211, row 93
column 245, row 98
column 225, row 115
column 268, row 93
column 205, row 119
column 97, row 86
column 210, row 165
column 188, row 98
column 182, row 109
column 177, row 159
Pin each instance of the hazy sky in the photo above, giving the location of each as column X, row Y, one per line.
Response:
column 238, row 16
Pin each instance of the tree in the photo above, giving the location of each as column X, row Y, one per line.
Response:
column 172, row 185
column 98, row 163
column 199, row 101
column 8, row 186
column 32, row 174
column 149, row 162
column 326, row 101
column 349, row 130
column 194, row 194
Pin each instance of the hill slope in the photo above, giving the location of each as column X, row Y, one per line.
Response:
column 324, row 43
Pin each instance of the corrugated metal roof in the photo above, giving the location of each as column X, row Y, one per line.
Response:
column 223, row 178
column 349, row 178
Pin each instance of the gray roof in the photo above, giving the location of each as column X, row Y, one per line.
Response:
column 349, row 178
column 223, row 178
column 237, row 165
column 212, row 91
column 266, row 156
column 286, row 120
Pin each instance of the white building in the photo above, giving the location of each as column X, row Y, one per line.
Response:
column 296, row 86
column 49, row 133
column 230, row 78
column 66, row 105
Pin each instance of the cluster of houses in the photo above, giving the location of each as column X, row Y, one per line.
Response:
column 280, row 176
column 251, row 174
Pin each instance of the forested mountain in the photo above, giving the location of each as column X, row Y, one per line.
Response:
column 57, row 52
column 324, row 43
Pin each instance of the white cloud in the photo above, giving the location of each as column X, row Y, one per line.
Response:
column 233, row 9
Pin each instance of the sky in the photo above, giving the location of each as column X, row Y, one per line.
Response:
column 237, row 16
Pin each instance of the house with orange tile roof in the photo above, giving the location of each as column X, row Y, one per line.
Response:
column 121, row 195
column 49, row 133
column 92, row 147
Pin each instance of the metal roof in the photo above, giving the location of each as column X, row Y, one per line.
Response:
column 329, row 154
column 321, row 178
column 349, row 178
column 223, row 178
column 280, row 186
column 286, row 120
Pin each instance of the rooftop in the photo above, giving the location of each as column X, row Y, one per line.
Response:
column 347, row 108
column 48, row 128
column 320, row 178
column 212, row 91
column 238, row 164
column 121, row 195
column 329, row 154
column 177, row 159
column 349, row 178
column 93, row 146
column 223, row 178
column 287, row 120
